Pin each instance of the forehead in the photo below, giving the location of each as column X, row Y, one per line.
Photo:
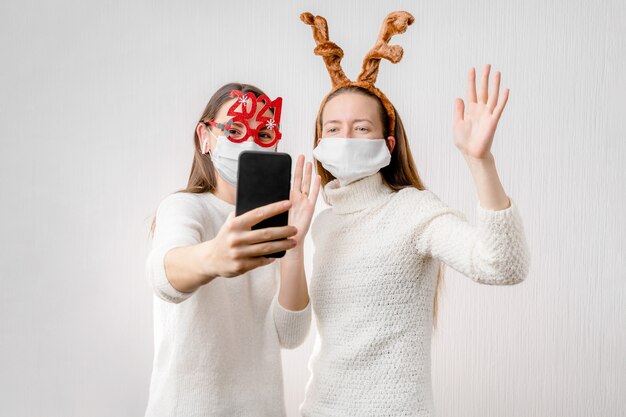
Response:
column 351, row 106
column 223, row 110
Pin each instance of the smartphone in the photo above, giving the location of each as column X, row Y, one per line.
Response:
column 263, row 178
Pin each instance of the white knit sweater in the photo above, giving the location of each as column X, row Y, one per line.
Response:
column 217, row 351
column 374, row 272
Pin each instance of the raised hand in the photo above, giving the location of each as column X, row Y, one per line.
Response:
column 303, row 197
column 475, row 124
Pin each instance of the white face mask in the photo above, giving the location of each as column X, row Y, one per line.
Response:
column 350, row 159
column 225, row 156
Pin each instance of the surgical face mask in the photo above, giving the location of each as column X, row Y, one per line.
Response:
column 350, row 160
column 225, row 156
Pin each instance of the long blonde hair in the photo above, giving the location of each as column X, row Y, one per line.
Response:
column 401, row 171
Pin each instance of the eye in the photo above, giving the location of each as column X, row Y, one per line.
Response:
column 362, row 129
column 265, row 136
column 331, row 130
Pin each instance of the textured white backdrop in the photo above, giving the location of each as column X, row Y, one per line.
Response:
column 98, row 102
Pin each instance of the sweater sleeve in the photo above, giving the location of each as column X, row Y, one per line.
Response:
column 495, row 252
column 178, row 223
column 292, row 326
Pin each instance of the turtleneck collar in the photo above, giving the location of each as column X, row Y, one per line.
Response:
column 357, row 196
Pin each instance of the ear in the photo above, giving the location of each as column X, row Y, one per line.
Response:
column 391, row 143
column 200, row 132
column 203, row 135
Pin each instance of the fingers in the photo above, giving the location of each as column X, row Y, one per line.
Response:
column 302, row 176
column 497, row 112
column 315, row 190
column 265, row 235
column 260, row 261
column 297, row 179
column 306, row 183
column 459, row 110
column 248, row 264
column 266, row 248
column 484, row 82
column 487, row 94
column 471, row 86
column 495, row 90
column 249, row 219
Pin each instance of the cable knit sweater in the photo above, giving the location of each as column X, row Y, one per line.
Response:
column 217, row 350
column 376, row 258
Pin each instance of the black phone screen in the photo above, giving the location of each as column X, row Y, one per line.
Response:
column 263, row 178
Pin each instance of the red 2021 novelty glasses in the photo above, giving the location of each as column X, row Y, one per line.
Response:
column 243, row 111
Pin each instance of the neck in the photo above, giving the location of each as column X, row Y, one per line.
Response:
column 360, row 195
column 225, row 191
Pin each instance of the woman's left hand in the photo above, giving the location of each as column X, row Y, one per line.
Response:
column 475, row 126
column 303, row 197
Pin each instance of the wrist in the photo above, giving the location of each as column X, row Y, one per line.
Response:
column 486, row 161
column 202, row 259
column 295, row 254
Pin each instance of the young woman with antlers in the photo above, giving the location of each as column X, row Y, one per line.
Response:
column 380, row 247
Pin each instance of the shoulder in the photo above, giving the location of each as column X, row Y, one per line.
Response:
column 182, row 204
column 320, row 222
column 193, row 212
column 181, row 199
column 421, row 204
column 422, row 200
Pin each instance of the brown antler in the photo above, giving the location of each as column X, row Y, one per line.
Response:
column 395, row 23
column 329, row 51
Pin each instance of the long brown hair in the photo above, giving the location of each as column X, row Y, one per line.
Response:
column 401, row 171
column 202, row 177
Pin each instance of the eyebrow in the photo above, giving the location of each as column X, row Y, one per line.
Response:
column 354, row 121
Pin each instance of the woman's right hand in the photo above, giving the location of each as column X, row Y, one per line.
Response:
column 235, row 250
column 238, row 249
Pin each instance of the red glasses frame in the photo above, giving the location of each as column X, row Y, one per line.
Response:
column 244, row 110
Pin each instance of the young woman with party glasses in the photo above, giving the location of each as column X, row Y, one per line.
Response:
column 223, row 310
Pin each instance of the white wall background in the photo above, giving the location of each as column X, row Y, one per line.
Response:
column 98, row 104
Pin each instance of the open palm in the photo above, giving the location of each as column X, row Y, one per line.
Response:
column 475, row 125
column 303, row 197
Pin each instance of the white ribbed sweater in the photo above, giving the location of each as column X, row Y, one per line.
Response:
column 372, row 288
column 217, row 351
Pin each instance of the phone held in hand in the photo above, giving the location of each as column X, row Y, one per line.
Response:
column 263, row 178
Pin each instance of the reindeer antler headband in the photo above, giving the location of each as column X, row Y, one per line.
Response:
column 395, row 23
